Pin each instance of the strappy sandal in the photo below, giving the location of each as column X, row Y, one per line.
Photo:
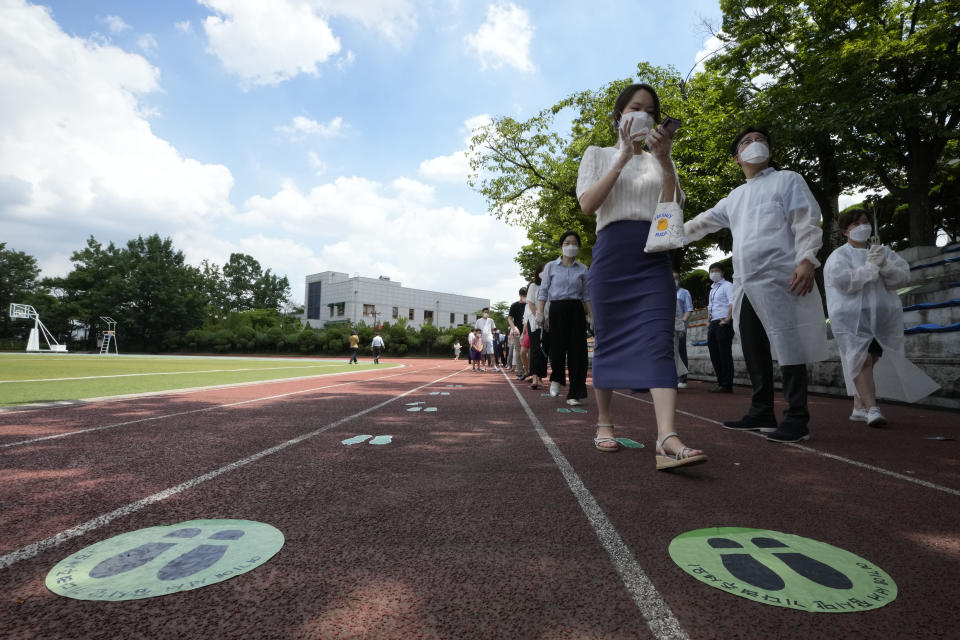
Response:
column 682, row 458
column 598, row 440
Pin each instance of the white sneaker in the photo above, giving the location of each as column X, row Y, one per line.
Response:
column 681, row 385
column 496, row 370
column 554, row 389
column 574, row 402
column 859, row 415
column 875, row 418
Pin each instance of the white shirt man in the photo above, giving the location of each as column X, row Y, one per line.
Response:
column 485, row 324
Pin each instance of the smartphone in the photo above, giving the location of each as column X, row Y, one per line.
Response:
column 670, row 125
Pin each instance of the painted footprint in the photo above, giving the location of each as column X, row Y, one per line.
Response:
column 198, row 558
column 745, row 567
column 195, row 560
column 355, row 440
column 813, row 570
column 381, row 440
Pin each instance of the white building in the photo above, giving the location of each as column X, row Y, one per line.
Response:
column 332, row 297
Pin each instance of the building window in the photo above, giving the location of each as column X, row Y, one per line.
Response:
column 313, row 301
column 465, row 319
column 341, row 308
column 453, row 319
column 369, row 310
column 428, row 316
column 331, row 309
column 396, row 312
column 411, row 314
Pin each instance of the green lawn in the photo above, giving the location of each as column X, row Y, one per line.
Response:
column 28, row 378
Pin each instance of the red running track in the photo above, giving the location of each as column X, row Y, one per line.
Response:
column 466, row 525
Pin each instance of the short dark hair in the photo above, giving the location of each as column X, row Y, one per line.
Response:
column 847, row 218
column 717, row 266
column 567, row 234
column 536, row 273
column 485, row 309
column 624, row 99
column 735, row 145
column 523, row 291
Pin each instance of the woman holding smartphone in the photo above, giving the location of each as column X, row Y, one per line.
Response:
column 632, row 292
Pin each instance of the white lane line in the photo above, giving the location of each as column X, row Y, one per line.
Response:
column 653, row 608
column 31, row 550
column 184, row 413
column 831, row 456
column 170, row 373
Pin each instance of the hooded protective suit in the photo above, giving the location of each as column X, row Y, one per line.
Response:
column 864, row 306
column 775, row 222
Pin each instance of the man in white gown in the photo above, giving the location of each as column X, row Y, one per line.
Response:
column 775, row 222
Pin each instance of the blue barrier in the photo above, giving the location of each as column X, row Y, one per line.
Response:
column 935, row 264
column 933, row 305
column 932, row 328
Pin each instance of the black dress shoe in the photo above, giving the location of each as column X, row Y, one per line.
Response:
column 719, row 389
column 789, row 434
column 750, row 425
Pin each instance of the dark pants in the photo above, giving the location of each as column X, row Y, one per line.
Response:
column 353, row 355
column 568, row 346
column 756, row 354
column 682, row 349
column 720, row 343
column 538, row 354
column 376, row 354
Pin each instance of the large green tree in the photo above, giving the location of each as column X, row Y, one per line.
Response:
column 18, row 280
column 858, row 94
column 527, row 170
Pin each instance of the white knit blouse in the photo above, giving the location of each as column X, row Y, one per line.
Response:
column 636, row 192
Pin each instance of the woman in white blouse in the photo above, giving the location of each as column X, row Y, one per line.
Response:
column 633, row 293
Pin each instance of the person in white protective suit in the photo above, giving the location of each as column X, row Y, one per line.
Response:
column 866, row 317
column 778, row 311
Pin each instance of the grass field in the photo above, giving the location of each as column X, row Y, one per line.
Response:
column 29, row 378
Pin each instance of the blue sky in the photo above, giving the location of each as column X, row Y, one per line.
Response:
column 311, row 134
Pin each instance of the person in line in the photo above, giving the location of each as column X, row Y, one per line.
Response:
column 456, row 350
column 498, row 344
column 564, row 284
column 778, row 312
column 679, row 329
column 536, row 334
column 632, row 291
column 515, row 320
column 866, row 318
column 485, row 324
column 685, row 300
column 720, row 329
column 377, row 346
column 354, row 347
column 476, row 349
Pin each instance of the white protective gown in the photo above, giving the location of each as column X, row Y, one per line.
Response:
column 864, row 305
column 775, row 222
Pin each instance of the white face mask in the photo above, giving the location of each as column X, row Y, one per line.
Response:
column 755, row 153
column 640, row 121
column 716, row 276
column 860, row 233
column 571, row 250
column 486, row 315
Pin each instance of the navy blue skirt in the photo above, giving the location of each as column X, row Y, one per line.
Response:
column 634, row 303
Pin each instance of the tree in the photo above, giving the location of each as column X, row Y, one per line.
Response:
column 528, row 172
column 270, row 291
column 861, row 93
column 18, row 279
column 240, row 274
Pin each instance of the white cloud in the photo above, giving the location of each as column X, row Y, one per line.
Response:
column 79, row 156
column 270, row 42
column 116, row 24
column 712, row 45
column 357, row 225
column 504, row 39
column 319, row 166
column 147, row 43
column 183, row 27
column 301, row 126
column 346, row 60
column 456, row 166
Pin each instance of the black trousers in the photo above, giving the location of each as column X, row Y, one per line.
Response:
column 568, row 346
column 538, row 353
column 720, row 344
column 376, row 354
column 756, row 354
column 353, row 354
column 682, row 349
